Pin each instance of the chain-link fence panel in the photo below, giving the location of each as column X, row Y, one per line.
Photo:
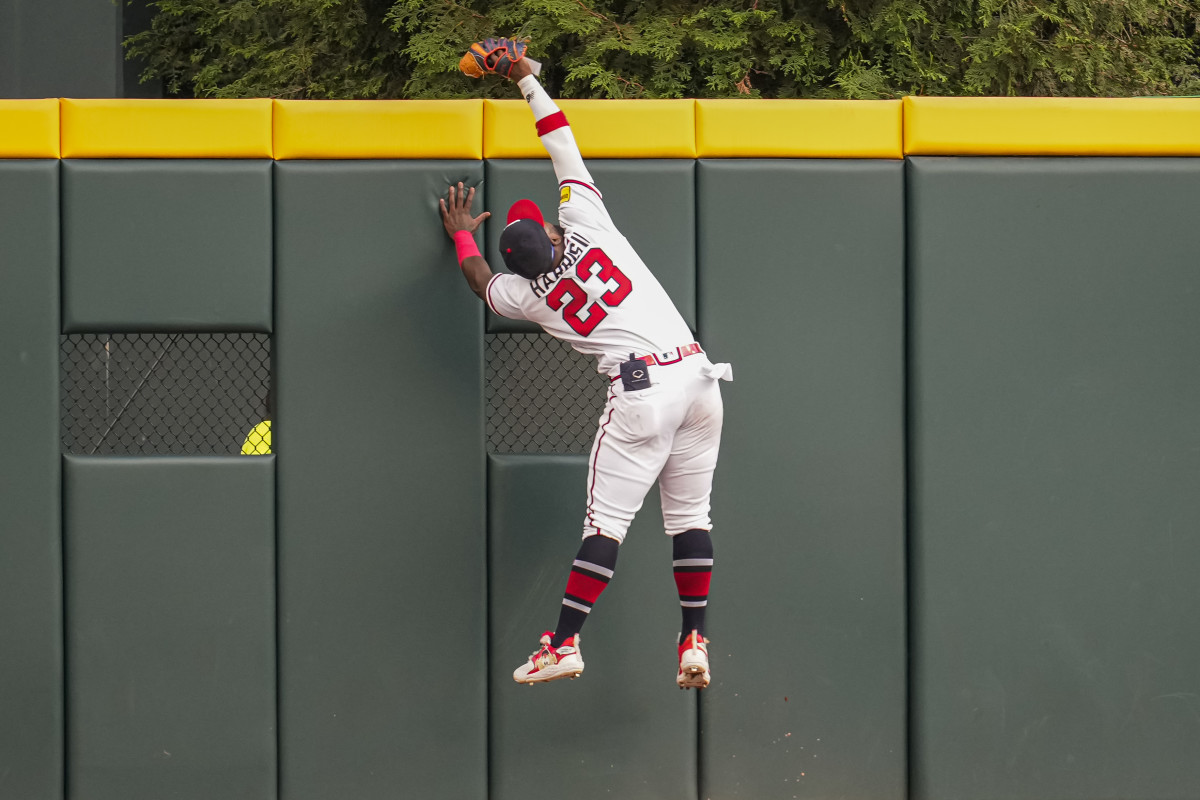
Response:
column 163, row 393
column 542, row 396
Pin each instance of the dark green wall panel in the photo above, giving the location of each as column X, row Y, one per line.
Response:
column 623, row 728
column 60, row 48
column 805, row 298
column 1055, row 457
column 31, row 720
column 170, row 610
column 652, row 201
column 10, row 44
column 379, row 435
column 166, row 245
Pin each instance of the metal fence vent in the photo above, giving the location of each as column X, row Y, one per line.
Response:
column 542, row 396
column 162, row 393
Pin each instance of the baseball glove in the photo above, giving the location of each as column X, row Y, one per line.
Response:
column 494, row 55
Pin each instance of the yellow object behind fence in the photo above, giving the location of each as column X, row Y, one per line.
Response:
column 258, row 441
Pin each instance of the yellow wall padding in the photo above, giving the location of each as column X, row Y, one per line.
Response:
column 602, row 128
column 166, row 128
column 799, row 128
column 29, row 128
column 473, row 129
column 379, row 129
column 1051, row 126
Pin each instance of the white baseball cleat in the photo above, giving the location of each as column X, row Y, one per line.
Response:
column 549, row 664
column 693, row 662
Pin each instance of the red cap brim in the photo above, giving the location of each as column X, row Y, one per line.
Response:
column 525, row 209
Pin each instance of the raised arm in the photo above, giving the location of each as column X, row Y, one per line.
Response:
column 552, row 126
column 460, row 227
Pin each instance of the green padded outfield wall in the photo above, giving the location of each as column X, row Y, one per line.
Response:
column 379, row 381
column 261, row 628
column 170, row 609
column 31, row 710
column 807, row 605
column 1055, row 451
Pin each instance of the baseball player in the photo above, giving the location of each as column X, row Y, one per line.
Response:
column 582, row 282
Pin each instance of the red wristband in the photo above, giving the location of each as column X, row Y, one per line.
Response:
column 464, row 244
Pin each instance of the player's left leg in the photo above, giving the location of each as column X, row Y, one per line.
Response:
column 559, row 654
column 627, row 454
column 632, row 444
column 590, row 573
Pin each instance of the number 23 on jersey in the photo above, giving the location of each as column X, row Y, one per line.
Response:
column 569, row 297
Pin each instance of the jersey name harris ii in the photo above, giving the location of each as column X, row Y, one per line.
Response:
column 601, row 299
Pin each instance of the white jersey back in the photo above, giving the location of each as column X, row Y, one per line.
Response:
column 601, row 298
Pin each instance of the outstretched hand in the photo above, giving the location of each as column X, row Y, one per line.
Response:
column 520, row 70
column 456, row 210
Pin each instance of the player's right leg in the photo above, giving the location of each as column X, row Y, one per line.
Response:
column 686, row 487
column 692, row 560
column 687, row 476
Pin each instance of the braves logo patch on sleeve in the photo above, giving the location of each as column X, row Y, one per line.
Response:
column 564, row 195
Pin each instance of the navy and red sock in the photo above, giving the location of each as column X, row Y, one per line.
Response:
column 692, row 561
column 590, row 574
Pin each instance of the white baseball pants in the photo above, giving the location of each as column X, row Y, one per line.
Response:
column 670, row 432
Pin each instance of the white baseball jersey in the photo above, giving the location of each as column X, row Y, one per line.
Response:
column 604, row 301
column 601, row 298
